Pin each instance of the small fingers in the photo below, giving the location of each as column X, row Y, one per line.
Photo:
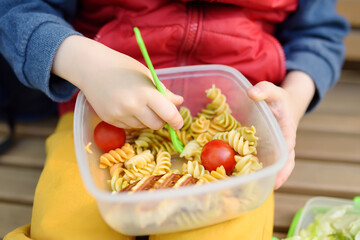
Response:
column 148, row 118
column 120, row 124
column 129, row 122
column 166, row 110
column 265, row 91
column 175, row 99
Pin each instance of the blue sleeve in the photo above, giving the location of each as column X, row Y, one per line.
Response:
column 30, row 33
column 312, row 38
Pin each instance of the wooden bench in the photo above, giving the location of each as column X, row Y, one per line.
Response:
column 327, row 153
column 327, row 150
column 350, row 9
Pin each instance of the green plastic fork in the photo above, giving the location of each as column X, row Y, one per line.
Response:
column 174, row 138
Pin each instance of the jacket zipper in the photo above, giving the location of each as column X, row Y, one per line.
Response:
column 191, row 33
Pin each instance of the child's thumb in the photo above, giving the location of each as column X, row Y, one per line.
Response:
column 264, row 91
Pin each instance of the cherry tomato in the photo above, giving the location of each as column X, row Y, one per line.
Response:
column 216, row 153
column 108, row 137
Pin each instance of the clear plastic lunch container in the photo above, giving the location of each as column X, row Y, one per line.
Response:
column 320, row 205
column 189, row 207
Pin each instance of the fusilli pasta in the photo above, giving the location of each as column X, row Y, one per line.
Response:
column 220, row 173
column 249, row 134
column 191, row 151
column 194, row 168
column 139, row 161
column 163, row 163
column 186, row 115
column 201, row 125
column 227, row 121
column 183, row 135
column 203, row 138
column 117, row 182
column 136, row 158
column 240, row 144
column 118, row 155
column 246, row 164
column 218, row 104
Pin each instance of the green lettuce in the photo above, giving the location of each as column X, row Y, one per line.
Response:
column 338, row 223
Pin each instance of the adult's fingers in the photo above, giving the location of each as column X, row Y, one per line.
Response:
column 165, row 110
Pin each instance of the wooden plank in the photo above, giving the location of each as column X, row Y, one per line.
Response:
column 35, row 128
column 329, row 122
column 27, row 151
column 338, row 112
column 343, row 99
column 350, row 10
column 352, row 45
column 350, row 76
column 286, row 205
column 13, row 216
column 279, row 235
column 332, row 146
column 324, row 178
column 20, row 184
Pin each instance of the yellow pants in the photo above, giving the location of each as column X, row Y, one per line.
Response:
column 63, row 209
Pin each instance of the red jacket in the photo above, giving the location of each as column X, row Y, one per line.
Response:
column 238, row 34
column 234, row 33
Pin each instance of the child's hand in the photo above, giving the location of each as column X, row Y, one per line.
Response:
column 288, row 103
column 125, row 96
column 119, row 88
